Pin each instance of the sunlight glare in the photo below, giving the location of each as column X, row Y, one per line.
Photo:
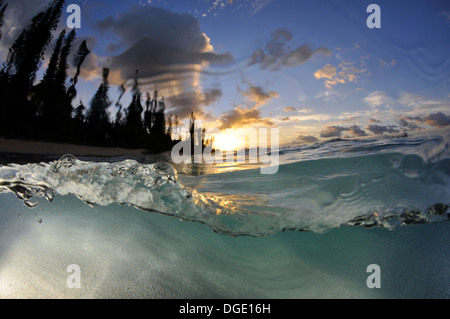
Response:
column 226, row 141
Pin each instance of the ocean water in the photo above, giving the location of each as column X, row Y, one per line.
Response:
column 153, row 229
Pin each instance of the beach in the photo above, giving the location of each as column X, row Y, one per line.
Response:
column 28, row 151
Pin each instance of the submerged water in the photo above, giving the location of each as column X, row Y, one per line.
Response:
column 310, row 230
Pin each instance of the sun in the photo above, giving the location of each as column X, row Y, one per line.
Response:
column 226, row 141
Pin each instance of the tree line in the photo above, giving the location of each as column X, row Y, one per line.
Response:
column 45, row 110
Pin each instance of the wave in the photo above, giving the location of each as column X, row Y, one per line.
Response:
column 373, row 184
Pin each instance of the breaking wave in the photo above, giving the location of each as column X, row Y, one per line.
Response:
column 317, row 187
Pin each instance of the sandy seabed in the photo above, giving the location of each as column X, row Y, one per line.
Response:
column 124, row 252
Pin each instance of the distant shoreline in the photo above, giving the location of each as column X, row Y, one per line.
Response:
column 28, row 151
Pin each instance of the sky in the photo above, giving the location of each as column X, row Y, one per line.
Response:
column 313, row 69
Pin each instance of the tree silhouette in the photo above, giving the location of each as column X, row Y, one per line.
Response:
column 135, row 109
column 64, row 110
column 78, row 60
column 18, row 73
column 50, row 74
column 2, row 15
column 148, row 115
column 44, row 97
column 97, row 118
column 119, row 114
column 79, row 113
column 45, row 110
column 49, row 96
column 100, row 102
column 27, row 51
column 159, row 124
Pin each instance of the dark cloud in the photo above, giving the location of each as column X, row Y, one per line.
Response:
column 278, row 52
column 333, row 131
column 169, row 50
column 380, row 129
column 408, row 126
column 306, row 139
column 158, row 41
column 436, row 119
column 186, row 102
column 357, row 131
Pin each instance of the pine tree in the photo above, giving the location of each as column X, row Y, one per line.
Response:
column 148, row 115
column 54, row 107
column 97, row 118
column 45, row 95
column 18, row 73
column 100, row 102
column 2, row 15
column 79, row 116
column 135, row 108
column 169, row 124
column 27, row 52
column 134, row 132
column 50, row 74
column 64, row 103
column 78, row 60
column 61, row 74
column 119, row 104
column 3, row 76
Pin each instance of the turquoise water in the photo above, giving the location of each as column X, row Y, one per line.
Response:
column 154, row 230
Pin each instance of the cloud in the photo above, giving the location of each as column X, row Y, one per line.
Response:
column 336, row 131
column 249, row 115
column 257, row 5
column 310, row 117
column 157, row 41
column 436, row 119
column 357, row 131
column 347, row 72
column 169, row 50
column 258, row 97
column 408, row 126
column 289, row 109
column 187, row 102
column 327, row 72
column 417, row 102
column 302, row 55
column 380, row 129
column 306, row 139
column 303, row 110
column 384, row 64
column 333, row 131
column 278, row 53
column 378, row 98
column 241, row 117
